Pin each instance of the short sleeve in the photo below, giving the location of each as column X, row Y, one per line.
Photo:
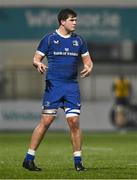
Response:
column 43, row 46
column 83, row 49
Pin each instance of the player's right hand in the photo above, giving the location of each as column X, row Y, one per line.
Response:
column 41, row 67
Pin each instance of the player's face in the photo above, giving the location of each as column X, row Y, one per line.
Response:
column 70, row 23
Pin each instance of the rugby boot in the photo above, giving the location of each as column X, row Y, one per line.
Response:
column 79, row 167
column 30, row 165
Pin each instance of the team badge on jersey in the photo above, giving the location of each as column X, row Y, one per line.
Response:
column 75, row 43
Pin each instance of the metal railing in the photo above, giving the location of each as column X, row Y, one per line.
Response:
column 26, row 83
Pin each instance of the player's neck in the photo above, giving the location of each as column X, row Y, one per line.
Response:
column 63, row 32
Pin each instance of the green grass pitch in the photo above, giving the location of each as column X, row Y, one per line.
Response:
column 106, row 155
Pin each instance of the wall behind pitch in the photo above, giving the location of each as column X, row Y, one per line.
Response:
column 25, row 115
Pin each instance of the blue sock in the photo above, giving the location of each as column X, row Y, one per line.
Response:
column 29, row 157
column 77, row 159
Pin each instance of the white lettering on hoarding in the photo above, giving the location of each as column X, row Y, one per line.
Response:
column 87, row 20
column 104, row 24
column 43, row 18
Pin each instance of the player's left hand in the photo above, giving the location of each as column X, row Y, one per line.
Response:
column 86, row 71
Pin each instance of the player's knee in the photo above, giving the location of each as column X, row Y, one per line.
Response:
column 73, row 122
column 46, row 121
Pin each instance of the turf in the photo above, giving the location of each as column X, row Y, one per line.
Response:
column 106, row 155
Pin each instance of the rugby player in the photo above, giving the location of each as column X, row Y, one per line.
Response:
column 62, row 48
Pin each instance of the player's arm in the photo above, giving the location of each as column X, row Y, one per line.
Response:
column 88, row 66
column 37, row 63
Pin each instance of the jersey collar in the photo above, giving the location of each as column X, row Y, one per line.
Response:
column 67, row 36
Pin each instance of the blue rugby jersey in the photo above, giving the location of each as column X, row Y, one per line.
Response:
column 62, row 53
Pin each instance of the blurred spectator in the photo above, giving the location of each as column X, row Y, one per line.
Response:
column 120, row 114
column 122, row 90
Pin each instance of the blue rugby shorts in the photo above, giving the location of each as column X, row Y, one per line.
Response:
column 60, row 94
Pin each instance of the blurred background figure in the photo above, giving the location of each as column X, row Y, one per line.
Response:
column 123, row 114
column 122, row 90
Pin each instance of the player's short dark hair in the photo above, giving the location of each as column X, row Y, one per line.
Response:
column 65, row 13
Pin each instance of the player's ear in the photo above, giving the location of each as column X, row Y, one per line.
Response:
column 63, row 22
